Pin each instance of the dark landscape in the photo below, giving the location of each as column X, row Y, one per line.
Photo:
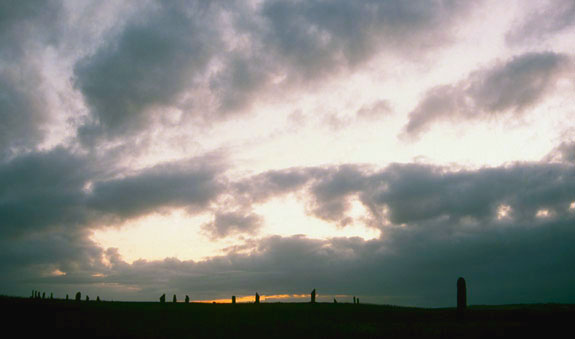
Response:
column 155, row 320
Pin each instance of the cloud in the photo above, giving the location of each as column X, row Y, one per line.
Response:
column 25, row 28
column 210, row 60
column 511, row 87
column 151, row 62
column 191, row 184
column 42, row 190
column 227, row 223
column 551, row 18
column 437, row 224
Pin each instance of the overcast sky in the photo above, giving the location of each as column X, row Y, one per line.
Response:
column 379, row 149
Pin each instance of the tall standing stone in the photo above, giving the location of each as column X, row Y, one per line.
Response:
column 163, row 298
column 78, row 296
column 187, row 299
column 174, row 300
column 461, row 297
column 257, row 298
column 313, row 296
column 233, row 299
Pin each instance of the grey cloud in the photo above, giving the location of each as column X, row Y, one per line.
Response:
column 273, row 183
column 25, row 26
column 555, row 16
column 514, row 86
column 318, row 37
column 191, row 184
column 228, row 52
column 157, row 56
column 42, row 190
column 374, row 110
column 228, row 223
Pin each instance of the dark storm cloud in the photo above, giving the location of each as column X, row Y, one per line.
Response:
column 148, row 65
column 553, row 17
column 230, row 51
column 42, row 190
column 227, row 223
column 514, row 86
column 318, row 37
column 190, row 184
column 25, row 28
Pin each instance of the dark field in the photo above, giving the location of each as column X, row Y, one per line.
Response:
column 131, row 319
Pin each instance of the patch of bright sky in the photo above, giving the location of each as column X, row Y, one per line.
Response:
column 179, row 235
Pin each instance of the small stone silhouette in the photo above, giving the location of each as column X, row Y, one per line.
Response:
column 87, row 298
column 334, row 301
column 461, row 297
column 51, row 296
column 313, row 296
column 98, row 298
column 233, row 299
column 163, row 298
column 187, row 299
column 174, row 299
column 354, row 300
column 67, row 297
column 257, row 298
column 43, row 295
column 78, row 296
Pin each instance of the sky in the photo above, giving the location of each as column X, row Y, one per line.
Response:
column 378, row 149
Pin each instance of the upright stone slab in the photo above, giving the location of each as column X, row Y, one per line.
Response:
column 233, row 299
column 174, row 299
column 313, row 296
column 354, row 300
column 78, row 296
column 461, row 297
column 163, row 298
column 257, row 298
column 187, row 299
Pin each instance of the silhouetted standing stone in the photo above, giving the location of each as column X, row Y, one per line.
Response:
column 334, row 301
column 174, row 300
column 67, row 297
column 313, row 296
column 78, row 296
column 257, row 298
column 461, row 297
column 233, row 299
column 163, row 298
column 98, row 298
column 87, row 298
column 354, row 300
column 187, row 299
column 43, row 295
column 357, row 301
column 51, row 296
